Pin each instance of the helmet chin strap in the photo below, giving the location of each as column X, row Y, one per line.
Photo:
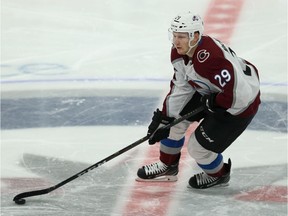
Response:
column 191, row 47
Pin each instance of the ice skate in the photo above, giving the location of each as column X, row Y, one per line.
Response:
column 203, row 181
column 158, row 172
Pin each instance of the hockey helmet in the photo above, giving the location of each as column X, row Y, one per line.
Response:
column 187, row 22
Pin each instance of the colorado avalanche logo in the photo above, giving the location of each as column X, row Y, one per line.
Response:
column 202, row 55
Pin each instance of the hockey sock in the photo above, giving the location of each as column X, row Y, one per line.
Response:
column 170, row 150
column 215, row 168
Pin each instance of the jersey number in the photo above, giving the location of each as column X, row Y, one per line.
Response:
column 223, row 78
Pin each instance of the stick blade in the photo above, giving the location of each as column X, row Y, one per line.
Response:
column 32, row 193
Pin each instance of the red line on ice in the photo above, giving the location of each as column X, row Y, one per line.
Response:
column 221, row 18
column 270, row 193
column 153, row 198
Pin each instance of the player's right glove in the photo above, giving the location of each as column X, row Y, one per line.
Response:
column 209, row 101
column 158, row 120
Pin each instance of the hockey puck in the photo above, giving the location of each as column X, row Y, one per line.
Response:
column 20, row 201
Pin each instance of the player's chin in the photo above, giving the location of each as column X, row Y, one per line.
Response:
column 180, row 51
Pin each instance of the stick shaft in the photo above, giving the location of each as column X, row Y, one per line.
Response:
column 48, row 190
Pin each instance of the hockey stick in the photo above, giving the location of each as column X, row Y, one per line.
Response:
column 19, row 199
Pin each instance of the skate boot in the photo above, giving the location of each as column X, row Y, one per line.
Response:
column 158, row 172
column 203, row 181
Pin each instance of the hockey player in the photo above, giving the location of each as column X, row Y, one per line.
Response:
column 206, row 73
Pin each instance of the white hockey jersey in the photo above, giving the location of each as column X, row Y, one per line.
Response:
column 214, row 68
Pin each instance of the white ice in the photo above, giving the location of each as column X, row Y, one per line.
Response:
column 74, row 48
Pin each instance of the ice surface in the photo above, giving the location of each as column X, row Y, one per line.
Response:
column 80, row 80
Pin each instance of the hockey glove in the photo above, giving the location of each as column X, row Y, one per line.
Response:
column 158, row 120
column 209, row 101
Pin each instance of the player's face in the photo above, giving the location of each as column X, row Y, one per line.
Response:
column 181, row 42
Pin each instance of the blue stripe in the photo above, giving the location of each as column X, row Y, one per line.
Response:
column 76, row 110
column 173, row 143
column 213, row 164
column 101, row 79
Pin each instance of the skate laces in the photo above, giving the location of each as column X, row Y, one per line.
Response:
column 203, row 178
column 155, row 168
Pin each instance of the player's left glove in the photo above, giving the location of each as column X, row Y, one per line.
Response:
column 154, row 130
column 209, row 101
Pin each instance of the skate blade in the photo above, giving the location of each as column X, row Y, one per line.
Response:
column 215, row 186
column 159, row 179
